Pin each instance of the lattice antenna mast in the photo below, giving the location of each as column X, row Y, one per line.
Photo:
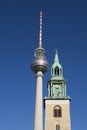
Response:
column 40, row 33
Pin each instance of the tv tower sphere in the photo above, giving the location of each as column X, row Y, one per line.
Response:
column 40, row 63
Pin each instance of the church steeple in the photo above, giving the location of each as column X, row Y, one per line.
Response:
column 56, row 84
column 57, row 104
column 56, row 69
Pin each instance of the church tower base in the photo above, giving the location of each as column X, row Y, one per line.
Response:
column 57, row 123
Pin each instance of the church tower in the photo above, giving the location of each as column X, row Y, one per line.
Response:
column 57, row 104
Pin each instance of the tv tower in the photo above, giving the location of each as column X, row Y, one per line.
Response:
column 39, row 66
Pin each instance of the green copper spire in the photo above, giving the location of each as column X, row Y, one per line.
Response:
column 56, row 84
column 56, row 59
column 56, row 69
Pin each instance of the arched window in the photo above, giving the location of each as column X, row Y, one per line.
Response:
column 56, row 70
column 57, row 111
column 57, row 127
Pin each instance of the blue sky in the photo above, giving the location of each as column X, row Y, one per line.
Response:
column 64, row 28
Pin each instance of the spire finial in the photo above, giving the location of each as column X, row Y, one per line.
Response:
column 40, row 33
column 56, row 56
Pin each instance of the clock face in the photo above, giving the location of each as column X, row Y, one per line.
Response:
column 56, row 91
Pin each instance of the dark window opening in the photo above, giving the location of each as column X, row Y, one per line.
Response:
column 57, row 127
column 56, row 70
column 52, row 71
column 57, row 111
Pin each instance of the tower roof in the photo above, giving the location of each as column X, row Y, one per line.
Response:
column 56, row 69
column 56, row 60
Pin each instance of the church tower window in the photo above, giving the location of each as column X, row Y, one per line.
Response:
column 57, row 111
column 57, row 127
column 56, row 71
